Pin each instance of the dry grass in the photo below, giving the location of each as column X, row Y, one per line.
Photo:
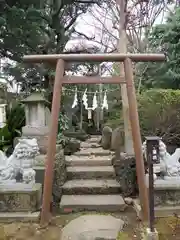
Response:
column 32, row 231
column 168, row 228
column 29, row 231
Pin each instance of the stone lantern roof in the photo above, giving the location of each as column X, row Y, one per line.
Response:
column 35, row 97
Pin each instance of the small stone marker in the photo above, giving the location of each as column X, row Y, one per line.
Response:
column 92, row 227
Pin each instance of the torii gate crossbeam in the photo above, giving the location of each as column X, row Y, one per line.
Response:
column 59, row 60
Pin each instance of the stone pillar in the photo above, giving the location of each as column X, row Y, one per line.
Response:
column 2, row 115
column 37, row 126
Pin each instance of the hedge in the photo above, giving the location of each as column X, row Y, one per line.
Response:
column 159, row 114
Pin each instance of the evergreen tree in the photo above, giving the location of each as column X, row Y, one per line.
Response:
column 36, row 27
column 164, row 38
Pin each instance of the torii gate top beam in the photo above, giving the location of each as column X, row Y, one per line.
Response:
column 105, row 57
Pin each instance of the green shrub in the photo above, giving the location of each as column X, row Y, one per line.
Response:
column 62, row 126
column 159, row 114
column 115, row 117
column 15, row 120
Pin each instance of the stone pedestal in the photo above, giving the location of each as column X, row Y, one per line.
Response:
column 19, row 201
column 35, row 130
column 166, row 198
column 20, row 197
column 167, row 192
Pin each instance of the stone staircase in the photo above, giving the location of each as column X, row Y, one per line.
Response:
column 91, row 184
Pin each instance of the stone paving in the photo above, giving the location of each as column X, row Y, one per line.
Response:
column 93, row 227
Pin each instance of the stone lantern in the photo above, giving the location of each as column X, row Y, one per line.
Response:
column 37, row 119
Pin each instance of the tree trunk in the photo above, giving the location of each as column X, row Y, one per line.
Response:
column 122, row 48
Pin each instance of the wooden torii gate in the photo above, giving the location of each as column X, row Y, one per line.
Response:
column 59, row 60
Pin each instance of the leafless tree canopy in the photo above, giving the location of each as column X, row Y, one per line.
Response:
column 141, row 15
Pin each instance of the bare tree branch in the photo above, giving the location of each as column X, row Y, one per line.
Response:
column 85, row 36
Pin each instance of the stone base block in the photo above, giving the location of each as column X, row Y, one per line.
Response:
column 166, row 198
column 8, row 217
column 161, row 211
column 20, row 197
column 38, row 131
column 167, row 192
column 167, row 211
column 39, row 174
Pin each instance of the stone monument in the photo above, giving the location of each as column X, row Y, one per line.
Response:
column 19, row 200
column 37, row 120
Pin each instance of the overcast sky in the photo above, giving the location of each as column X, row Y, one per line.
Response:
column 90, row 26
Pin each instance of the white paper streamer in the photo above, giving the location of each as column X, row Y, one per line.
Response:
column 94, row 105
column 84, row 99
column 75, row 103
column 105, row 103
column 89, row 113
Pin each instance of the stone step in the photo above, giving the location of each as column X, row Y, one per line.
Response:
column 107, row 203
column 91, row 186
column 94, row 139
column 83, row 172
column 89, row 145
column 88, row 160
column 93, row 151
column 9, row 217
